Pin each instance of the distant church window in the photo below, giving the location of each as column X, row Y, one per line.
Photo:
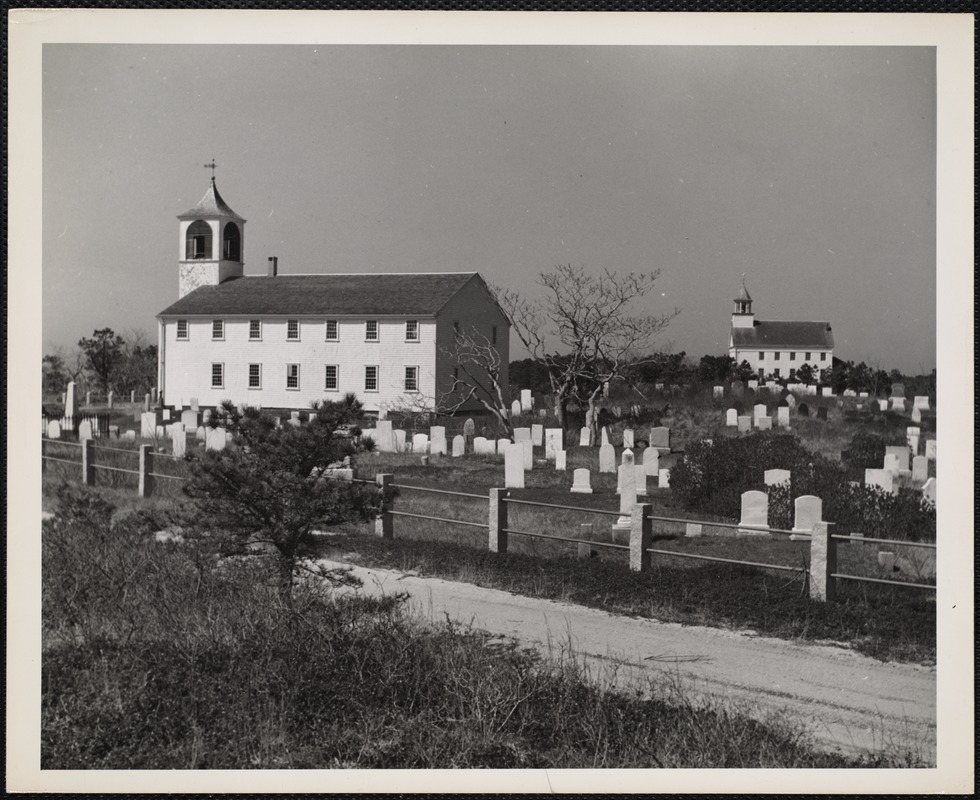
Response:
column 182, row 329
column 199, row 240
column 231, row 245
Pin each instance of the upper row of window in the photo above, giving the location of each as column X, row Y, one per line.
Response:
column 792, row 355
column 371, row 330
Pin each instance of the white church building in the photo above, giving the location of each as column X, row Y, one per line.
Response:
column 776, row 348
column 282, row 341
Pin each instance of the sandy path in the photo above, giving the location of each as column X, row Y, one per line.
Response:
column 846, row 700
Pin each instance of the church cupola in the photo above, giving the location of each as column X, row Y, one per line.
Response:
column 743, row 317
column 212, row 238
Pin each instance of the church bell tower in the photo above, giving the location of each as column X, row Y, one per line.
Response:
column 212, row 240
column 743, row 317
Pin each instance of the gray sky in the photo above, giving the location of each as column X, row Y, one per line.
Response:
column 811, row 169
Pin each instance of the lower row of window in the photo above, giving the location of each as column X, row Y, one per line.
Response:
column 331, row 379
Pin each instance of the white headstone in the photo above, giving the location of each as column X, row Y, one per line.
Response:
column 628, row 437
column 527, row 402
column 553, row 442
column 560, row 460
column 850, row 393
column 902, row 452
column 931, row 449
column 201, row 434
column 607, row 458
column 882, row 405
column 640, row 479
column 581, row 482
column 663, row 480
column 522, row 434
column 515, row 408
column 862, row 394
column 401, row 440
column 528, row 446
column 898, row 404
column 755, row 513
column 437, row 440
column 651, row 461
column 585, row 437
column 605, row 436
column 189, row 418
column 627, row 493
column 731, row 418
column 385, row 436
column 148, row 425
column 764, row 423
column 921, row 402
column 827, row 391
column 108, row 399
column 776, row 477
column 791, row 400
column 480, row 446
column 660, row 438
column 514, row 468
column 166, row 415
column 758, row 412
column 891, row 463
column 502, row 445
column 194, row 404
column 179, row 443
column 216, row 438
column 469, row 427
column 920, row 469
column 84, row 430
column 537, row 435
column 459, row 446
column 808, row 511
column 420, row 443
column 916, row 415
column 753, row 385
column 129, row 436
column 160, row 432
column 782, row 416
column 745, row 424
column 882, row 478
column 71, row 400
column 627, row 457
column 718, row 391
column 929, row 489
column 54, row 429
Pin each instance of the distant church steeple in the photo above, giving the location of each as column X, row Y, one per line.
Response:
column 212, row 239
column 743, row 317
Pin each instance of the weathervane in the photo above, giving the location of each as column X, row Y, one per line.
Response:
column 211, row 167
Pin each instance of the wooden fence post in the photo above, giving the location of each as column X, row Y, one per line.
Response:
column 88, row 465
column 383, row 523
column 146, row 467
column 641, row 533
column 823, row 563
column 498, row 520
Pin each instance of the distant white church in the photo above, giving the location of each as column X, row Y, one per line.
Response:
column 776, row 348
column 282, row 341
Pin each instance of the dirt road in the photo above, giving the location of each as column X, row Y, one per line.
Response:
column 846, row 700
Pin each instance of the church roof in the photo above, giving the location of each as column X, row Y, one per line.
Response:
column 397, row 294
column 211, row 205
column 784, row 334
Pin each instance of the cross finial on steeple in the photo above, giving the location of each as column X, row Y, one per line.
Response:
column 211, row 167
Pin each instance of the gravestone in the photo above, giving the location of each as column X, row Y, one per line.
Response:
column 758, row 412
column 755, row 514
column 903, row 455
column 189, row 419
column 401, row 440
column 791, row 400
column 515, row 408
column 560, row 460
column 178, row 443
column 553, row 442
column 628, row 437
column 147, row 402
column 803, row 410
column 420, row 443
column 480, row 446
column 664, row 479
column 898, row 390
column 808, row 511
column 692, row 529
column 113, row 431
column 216, row 438
column 581, row 482
column 537, row 435
column 607, row 458
column 528, row 446
column 738, row 388
column 753, row 385
column 929, row 490
column 166, row 415
column 585, row 437
column 718, row 391
column 626, row 481
column 54, row 429
column 822, row 413
column 148, row 425
column 886, row 560
column 882, row 405
column 605, row 435
column 660, row 438
column 916, row 415
column 744, row 424
column 385, row 436
column 527, row 403
column 459, row 446
column 731, row 418
column 71, row 400
column 850, row 393
column 782, row 416
column 437, row 440
column 921, row 402
column 640, row 479
column 84, row 430
column 469, row 427
column 502, row 445
column 522, row 434
column 201, row 434
column 543, row 413
column 891, row 463
column 764, row 423
column 514, row 468
column 128, row 436
column 776, row 477
column 898, row 404
column 827, row 391
column 881, row 478
column 862, row 395
column 626, row 460
column 931, row 449
column 651, row 461
column 108, row 399
column 920, row 469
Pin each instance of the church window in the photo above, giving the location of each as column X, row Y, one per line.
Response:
column 371, row 330
column 762, row 355
column 182, row 330
column 412, row 330
column 775, row 356
column 217, row 329
column 217, row 376
column 775, row 372
column 292, row 330
column 411, row 379
column 255, row 329
column 370, row 379
column 231, row 244
column 198, row 240
column 254, row 376
column 807, row 356
column 331, row 382
column 292, row 376
column 792, row 356
column 332, row 333
column 823, row 356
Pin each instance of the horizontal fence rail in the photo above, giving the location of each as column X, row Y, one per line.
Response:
column 863, row 579
column 605, row 511
column 870, row 540
column 699, row 557
column 437, row 491
column 439, row 519
column 590, row 542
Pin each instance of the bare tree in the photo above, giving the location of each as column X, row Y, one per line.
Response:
column 584, row 330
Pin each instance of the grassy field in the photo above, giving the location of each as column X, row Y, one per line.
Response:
column 162, row 656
